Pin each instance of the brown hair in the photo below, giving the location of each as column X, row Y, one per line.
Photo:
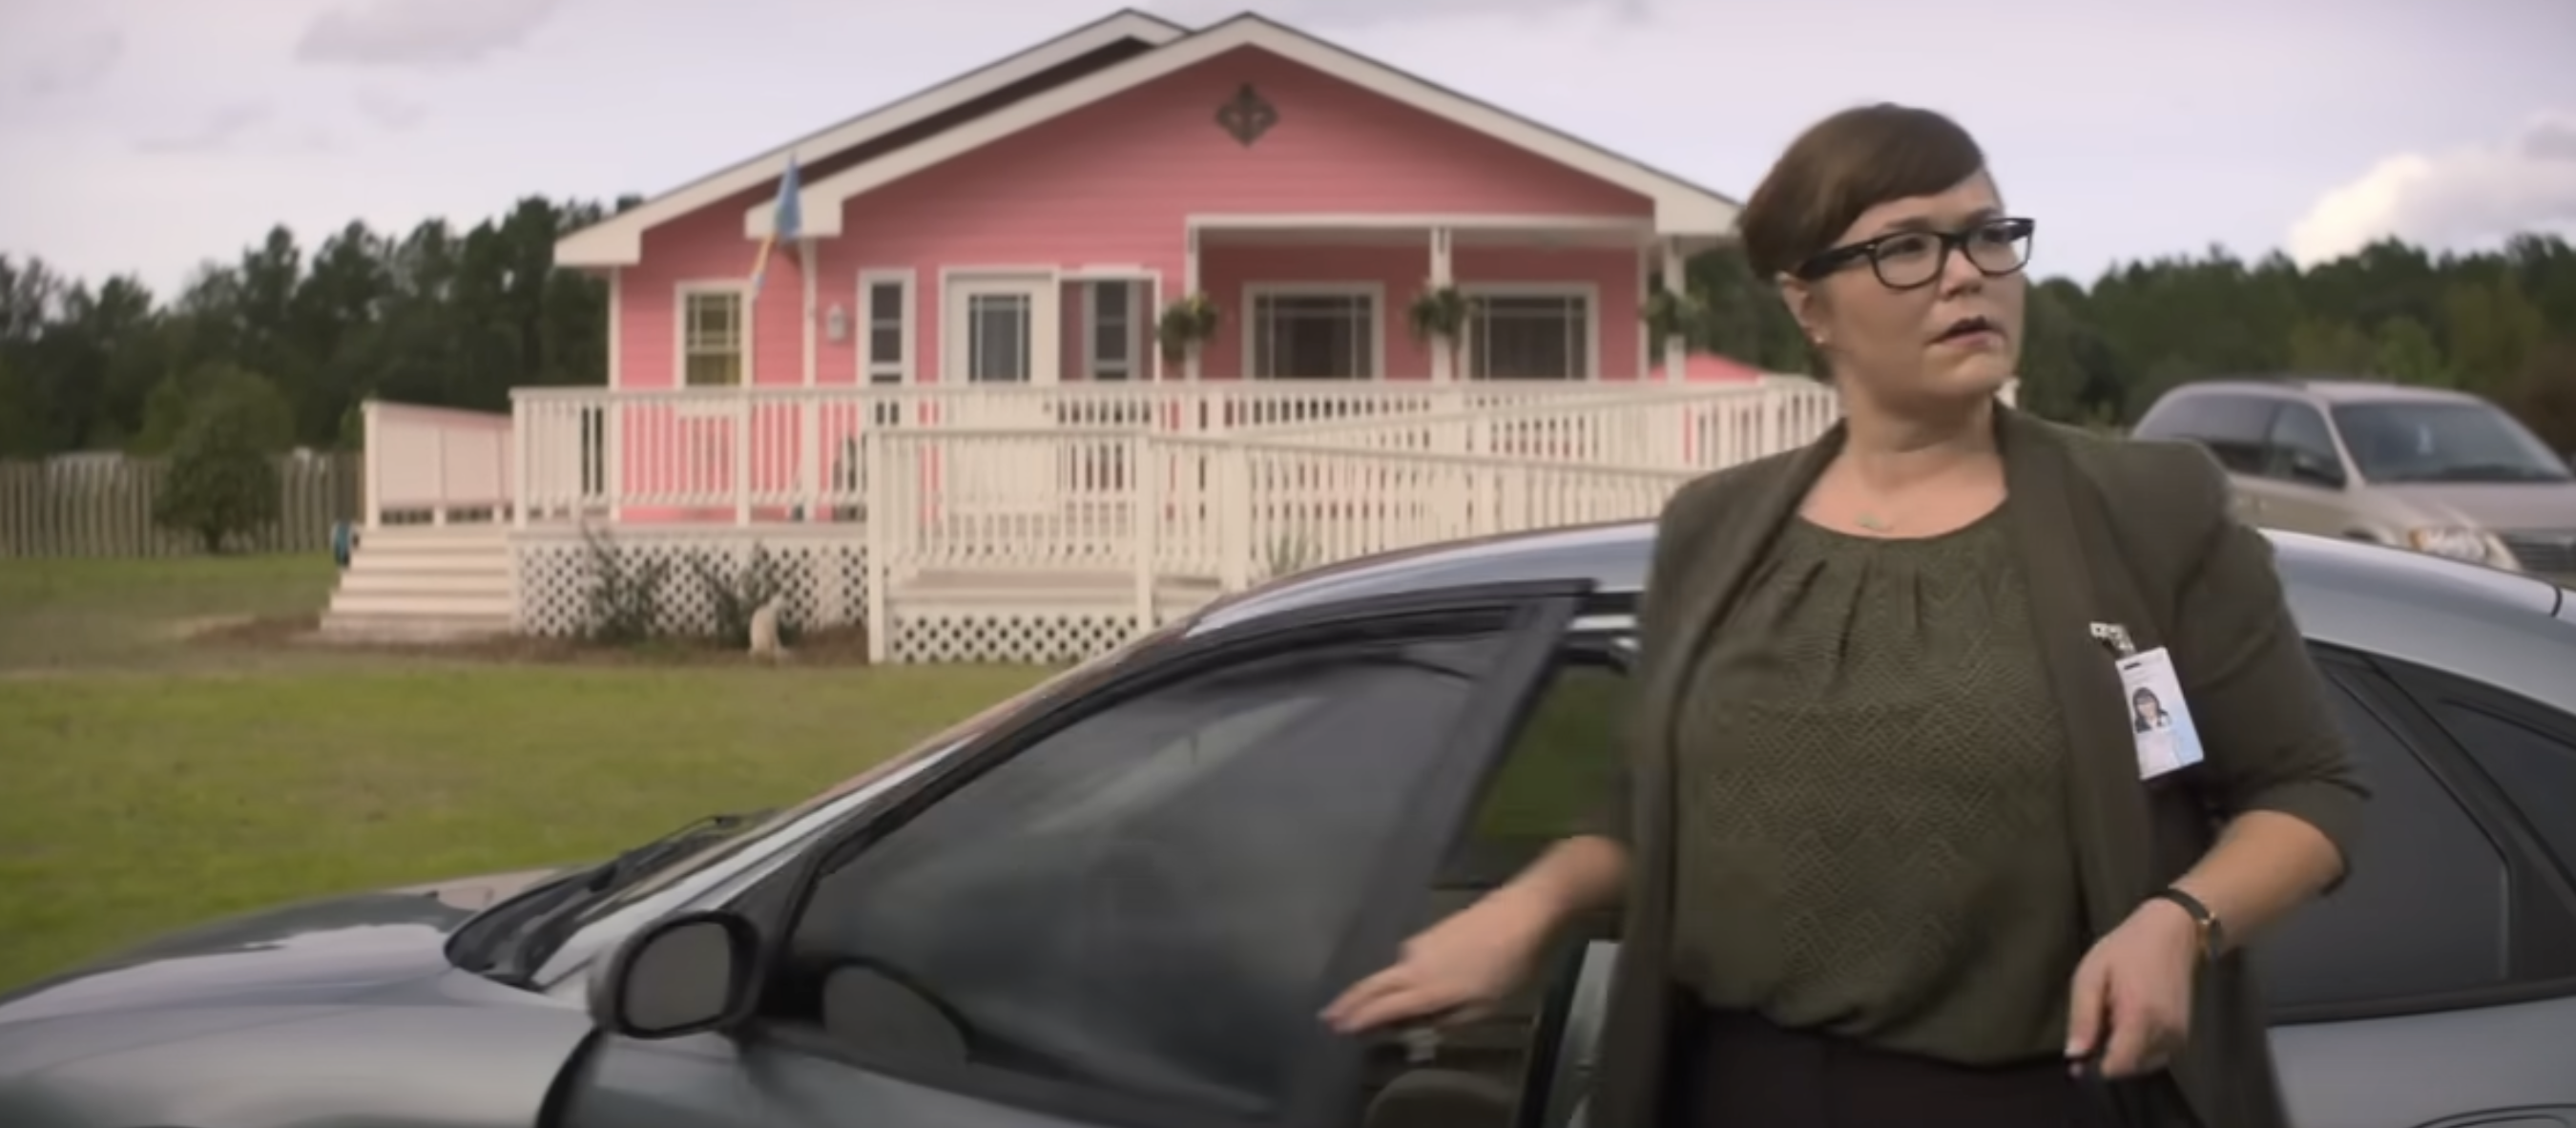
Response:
column 1843, row 166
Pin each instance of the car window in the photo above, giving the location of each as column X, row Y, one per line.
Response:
column 2234, row 427
column 1561, row 766
column 1145, row 901
column 2302, row 449
column 2426, row 909
column 2444, row 441
column 2536, row 768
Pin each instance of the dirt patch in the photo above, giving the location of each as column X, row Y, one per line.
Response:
column 834, row 647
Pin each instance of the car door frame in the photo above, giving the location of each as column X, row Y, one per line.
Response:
column 1538, row 616
column 2422, row 689
column 2541, row 891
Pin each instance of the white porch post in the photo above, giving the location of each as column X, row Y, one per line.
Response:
column 371, row 457
column 1444, row 360
column 1676, row 282
column 1189, row 286
column 809, row 429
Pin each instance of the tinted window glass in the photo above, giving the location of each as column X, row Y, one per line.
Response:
column 2536, row 768
column 2425, row 911
column 2441, row 441
column 2302, row 449
column 1146, row 900
column 2233, row 427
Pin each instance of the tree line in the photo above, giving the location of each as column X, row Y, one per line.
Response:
column 2498, row 323
column 296, row 338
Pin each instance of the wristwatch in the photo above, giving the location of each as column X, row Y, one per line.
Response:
column 2211, row 934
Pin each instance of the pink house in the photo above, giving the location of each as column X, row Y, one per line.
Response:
column 977, row 405
column 1029, row 222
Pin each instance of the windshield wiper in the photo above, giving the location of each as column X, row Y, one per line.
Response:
column 538, row 937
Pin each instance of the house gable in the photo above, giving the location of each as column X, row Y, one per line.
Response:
column 1679, row 208
column 619, row 240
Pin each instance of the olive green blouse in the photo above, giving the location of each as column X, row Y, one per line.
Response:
column 1871, row 812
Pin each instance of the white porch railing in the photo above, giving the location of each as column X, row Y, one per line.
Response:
column 434, row 464
column 1691, row 428
column 777, row 453
column 1233, row 510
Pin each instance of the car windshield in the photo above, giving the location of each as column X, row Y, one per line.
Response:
column 2444, row 441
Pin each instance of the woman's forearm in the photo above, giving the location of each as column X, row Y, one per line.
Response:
column 1574, row 876
column 2265, row 864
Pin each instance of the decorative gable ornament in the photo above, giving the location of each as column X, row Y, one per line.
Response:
column 1246, row 116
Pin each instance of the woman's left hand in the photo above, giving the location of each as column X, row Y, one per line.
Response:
column 2133, row 991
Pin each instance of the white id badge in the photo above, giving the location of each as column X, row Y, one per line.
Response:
column 2159, row 720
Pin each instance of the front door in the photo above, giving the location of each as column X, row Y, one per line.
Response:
column 1001, row 341
column 1001, row 331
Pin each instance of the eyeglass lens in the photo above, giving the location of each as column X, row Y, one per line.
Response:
column 1913, row 259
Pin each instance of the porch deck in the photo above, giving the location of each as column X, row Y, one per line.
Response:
column 954, row 539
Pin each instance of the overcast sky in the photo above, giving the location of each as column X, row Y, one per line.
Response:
column 150, row 135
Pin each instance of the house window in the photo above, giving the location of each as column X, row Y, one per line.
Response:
column 1113, row 342
column 1314, row 335
column 713, row 348
column 999, row 338
column 887, row 343
column 1531, row 337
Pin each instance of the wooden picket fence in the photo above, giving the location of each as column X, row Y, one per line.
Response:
column 101, row 506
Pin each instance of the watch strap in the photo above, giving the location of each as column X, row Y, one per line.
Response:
column 2211, row 934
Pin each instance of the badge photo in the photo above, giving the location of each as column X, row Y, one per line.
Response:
column 2159, row 718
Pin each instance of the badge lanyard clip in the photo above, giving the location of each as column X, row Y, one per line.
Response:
column 2116, row 637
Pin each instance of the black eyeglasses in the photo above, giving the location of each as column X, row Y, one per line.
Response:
column 1905, row 260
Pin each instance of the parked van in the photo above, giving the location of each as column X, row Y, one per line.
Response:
column 2430, row 469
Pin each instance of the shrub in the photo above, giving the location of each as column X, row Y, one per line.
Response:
column 625, row 597
column 217, row 486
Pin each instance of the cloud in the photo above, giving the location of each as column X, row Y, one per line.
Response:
column 83, row 61
column 214, row 132
column 394, row 114
column 420, row 33
column 2470, row 195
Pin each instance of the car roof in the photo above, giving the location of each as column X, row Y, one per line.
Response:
column 2510, row 630
column 2326, row 389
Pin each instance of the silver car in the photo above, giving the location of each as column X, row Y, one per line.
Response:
column 1122, row 898
column 2434, row 470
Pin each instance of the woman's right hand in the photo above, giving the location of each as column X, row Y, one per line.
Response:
column 1453, row 971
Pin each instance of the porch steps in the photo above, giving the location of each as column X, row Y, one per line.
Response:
column 439, row 583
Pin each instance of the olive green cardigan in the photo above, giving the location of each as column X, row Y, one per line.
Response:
column 2137, row 534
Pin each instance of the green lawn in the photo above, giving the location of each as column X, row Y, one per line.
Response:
column 152, row 782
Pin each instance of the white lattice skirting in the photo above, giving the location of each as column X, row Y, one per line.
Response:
column 1047, row 637
column 821, row 568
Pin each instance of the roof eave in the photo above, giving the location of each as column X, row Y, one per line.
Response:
column 1682, row 209
column 619, row 239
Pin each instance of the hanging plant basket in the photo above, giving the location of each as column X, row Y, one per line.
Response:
column 1440, row 313
column 1186, row 323
column 1668, row 314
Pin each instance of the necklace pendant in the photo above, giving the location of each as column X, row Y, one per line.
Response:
column 1872, row 522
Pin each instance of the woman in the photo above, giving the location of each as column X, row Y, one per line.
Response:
column 1886, row 853
column 2150, row 712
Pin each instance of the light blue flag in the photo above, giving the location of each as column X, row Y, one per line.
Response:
column 788, row 224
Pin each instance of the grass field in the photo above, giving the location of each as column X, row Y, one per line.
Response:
column 152, row 782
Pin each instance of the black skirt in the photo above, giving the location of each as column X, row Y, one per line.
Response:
column 1738, row 1071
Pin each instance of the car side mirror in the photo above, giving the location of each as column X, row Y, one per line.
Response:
column 678, row 976
column 2317, row 469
